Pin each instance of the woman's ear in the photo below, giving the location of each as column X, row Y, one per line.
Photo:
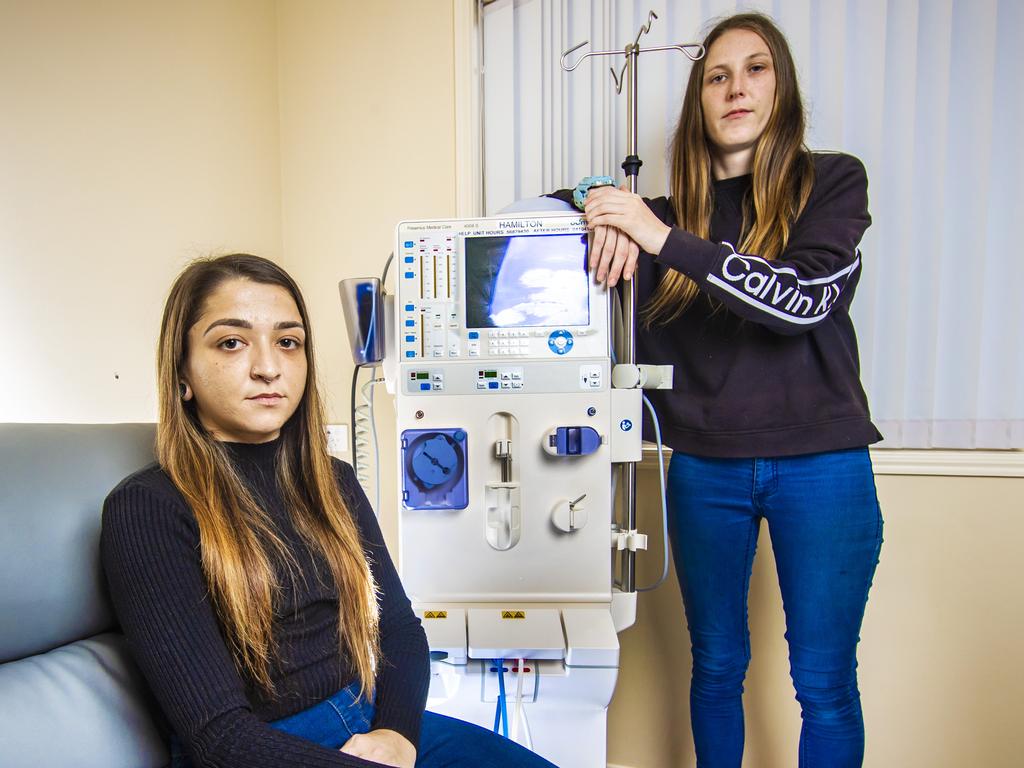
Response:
column 185, row 391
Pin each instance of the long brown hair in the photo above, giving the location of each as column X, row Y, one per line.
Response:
column 783, row 172
column 237, row 539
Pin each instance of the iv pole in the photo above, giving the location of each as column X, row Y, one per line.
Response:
column 631, row 165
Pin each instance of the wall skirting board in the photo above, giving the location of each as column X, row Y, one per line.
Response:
column 890, row 461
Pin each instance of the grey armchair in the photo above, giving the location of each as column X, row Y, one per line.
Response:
column 70, row 694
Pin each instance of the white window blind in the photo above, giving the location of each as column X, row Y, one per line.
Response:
column 928, row 93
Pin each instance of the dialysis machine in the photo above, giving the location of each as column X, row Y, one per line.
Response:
column 511, row 421
column 499, row 354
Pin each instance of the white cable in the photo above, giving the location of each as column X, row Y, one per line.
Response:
column 518, row 711
column 664, row 499
column 376, row 448
column 367, row 392
column 526, row 732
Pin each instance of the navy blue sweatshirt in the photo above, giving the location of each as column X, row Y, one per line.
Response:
column 765, row 357
column 150, row 551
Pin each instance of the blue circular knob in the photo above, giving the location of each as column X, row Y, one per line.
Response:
column 434, row 461
column 560, row 341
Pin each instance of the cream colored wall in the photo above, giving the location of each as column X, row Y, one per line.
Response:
column 133, row 137
column 941, row 676
column 136, row 136
column 367, row 130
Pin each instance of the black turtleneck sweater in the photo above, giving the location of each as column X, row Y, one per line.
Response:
column 150, row 551
column 765, row 358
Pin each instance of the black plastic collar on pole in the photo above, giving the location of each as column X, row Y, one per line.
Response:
column 631, row 165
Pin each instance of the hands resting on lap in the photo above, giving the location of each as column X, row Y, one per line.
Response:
column 382, row 746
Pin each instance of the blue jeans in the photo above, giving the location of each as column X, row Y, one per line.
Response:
column 826, row 529
column 444, row 741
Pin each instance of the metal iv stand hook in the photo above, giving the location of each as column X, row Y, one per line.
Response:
column 692, row 51
column 631, row 165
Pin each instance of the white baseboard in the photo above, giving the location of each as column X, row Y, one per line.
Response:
column 893, row 461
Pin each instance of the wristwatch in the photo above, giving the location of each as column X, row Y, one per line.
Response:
column 579, row 194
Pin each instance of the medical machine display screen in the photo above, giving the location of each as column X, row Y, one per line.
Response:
column 527, row 280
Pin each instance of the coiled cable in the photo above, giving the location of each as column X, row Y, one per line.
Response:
column 364, row 437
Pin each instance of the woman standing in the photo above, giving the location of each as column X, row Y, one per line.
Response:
column 247, row 568
column 745, row 281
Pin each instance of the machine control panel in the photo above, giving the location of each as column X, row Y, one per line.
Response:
column 497, row 288
column 421, row 381
column 590, row 376
column 461, row 378
column 500, row 378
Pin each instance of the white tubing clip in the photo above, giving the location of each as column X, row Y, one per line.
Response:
column 643, row 376
column 631, row 540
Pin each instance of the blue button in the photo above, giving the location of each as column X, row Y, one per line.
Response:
column 409, row 243
column 560, row 341
column 410, row 338
column 474, row 334
column 492, row 384
column 410, row 353
column 425, row 386
column 410, row 307
column 410, row 275
column 410, row 323
column 410, row 259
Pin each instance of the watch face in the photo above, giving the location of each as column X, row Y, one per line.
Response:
column 579, row 194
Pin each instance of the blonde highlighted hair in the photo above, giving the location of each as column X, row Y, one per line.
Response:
column 783, row 172
column 238, row 541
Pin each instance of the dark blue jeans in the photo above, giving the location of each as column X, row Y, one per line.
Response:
column 826, row 530
column 444, row 741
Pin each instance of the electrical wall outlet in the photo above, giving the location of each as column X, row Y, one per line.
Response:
column 337, row 439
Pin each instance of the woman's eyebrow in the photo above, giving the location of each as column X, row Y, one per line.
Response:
column 751, row 57
column 229, row 321
column 234, row 322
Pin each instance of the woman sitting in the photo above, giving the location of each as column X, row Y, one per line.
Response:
column 247, row 568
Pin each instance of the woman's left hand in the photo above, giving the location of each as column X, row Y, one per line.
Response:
column 382, row 746
column 628, row 213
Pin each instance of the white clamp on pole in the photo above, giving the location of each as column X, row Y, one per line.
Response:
column 631, row 165
column 631, row 541
column 642, row 376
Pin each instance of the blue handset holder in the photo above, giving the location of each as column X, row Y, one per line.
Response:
column 361, row 301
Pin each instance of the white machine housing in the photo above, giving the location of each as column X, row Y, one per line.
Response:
column 508, row 428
